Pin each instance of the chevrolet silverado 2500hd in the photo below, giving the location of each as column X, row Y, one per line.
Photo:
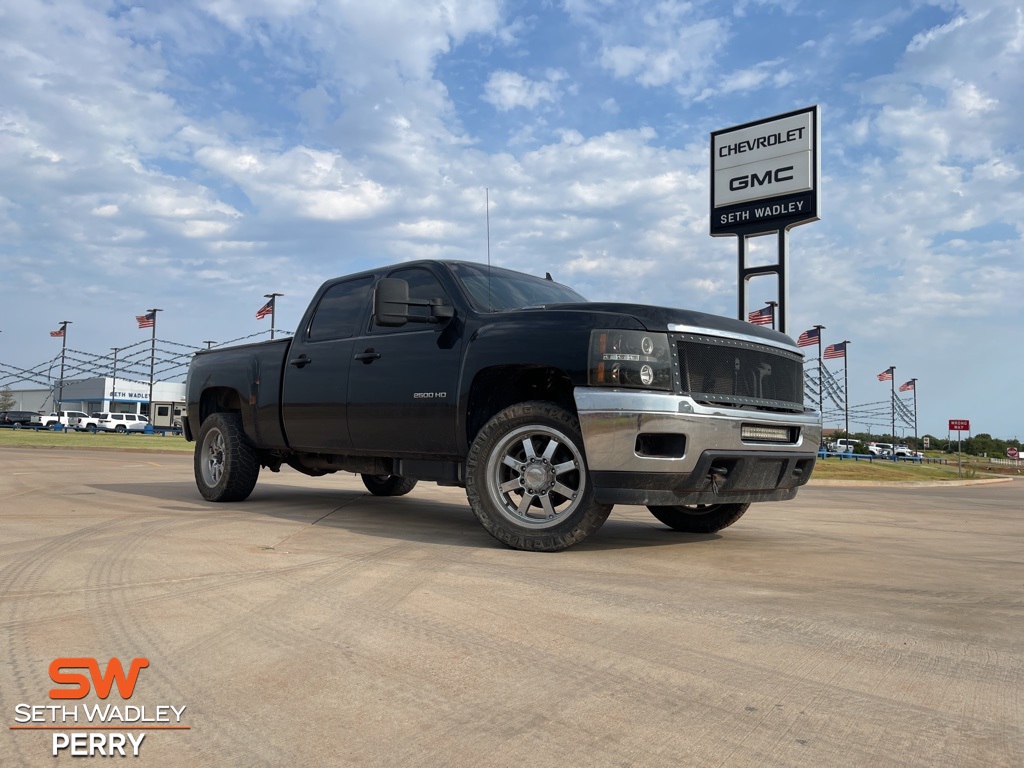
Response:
column 546, row 408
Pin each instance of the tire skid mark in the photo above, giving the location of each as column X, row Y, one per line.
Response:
column 229, row 580
column 25, row 570
column 736, row 674
column 117, row 616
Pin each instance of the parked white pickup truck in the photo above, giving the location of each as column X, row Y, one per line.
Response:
column 66, row 419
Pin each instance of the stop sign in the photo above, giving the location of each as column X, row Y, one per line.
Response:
column 1012, row 452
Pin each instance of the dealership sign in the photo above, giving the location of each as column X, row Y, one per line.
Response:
column 764, row 174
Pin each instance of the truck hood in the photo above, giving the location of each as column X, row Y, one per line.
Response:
column 670, row 319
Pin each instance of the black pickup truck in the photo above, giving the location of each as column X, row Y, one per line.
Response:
column 546, row 408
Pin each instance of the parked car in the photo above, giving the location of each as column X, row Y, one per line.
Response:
column 118, row 422
column 18, row 419
column 85, row 423
column 64, row 418
column 880, row 449
column 843, row 445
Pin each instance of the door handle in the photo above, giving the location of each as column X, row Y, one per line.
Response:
column 368, row 356
column 300, row 361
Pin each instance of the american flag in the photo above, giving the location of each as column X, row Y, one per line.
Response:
column 762, row 316
column 266, row 309
column 807, row 338
column 833, row 351
column 906, row 387
column 57, row 334
column 146, row 321
column 885, row 375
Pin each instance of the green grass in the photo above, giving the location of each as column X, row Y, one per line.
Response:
column 893, row 471
column 45, row 438
column 825, row 469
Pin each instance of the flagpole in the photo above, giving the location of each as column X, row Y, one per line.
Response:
column 916, row 446
column 152, row 358
column 63, row 349
column 273, row 310
column 773, row 305
column 821, row 381
column 113, row 387
column 846, row 384
column 892, row 405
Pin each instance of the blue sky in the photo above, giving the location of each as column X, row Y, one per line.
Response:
column 197, row 155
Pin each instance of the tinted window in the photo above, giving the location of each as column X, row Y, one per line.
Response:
column 493, row 290
column 341, row 310
column 163, row 410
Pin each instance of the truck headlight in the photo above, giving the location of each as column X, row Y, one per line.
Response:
column 630, row 359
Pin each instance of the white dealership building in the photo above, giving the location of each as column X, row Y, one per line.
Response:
column 104, row 394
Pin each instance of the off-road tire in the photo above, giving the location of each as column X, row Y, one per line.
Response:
column 699, row 518
column 527, row 479
column 388, row 485
column 225, row 463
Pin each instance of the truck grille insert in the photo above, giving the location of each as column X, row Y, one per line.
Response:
column 735, row 372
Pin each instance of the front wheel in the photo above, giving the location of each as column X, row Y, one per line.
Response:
column 527, row 479
column 388, row 485
column 226, row 465
column 699, row 518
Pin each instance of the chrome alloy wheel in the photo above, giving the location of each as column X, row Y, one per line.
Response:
column 536, row 476
column 213, row 458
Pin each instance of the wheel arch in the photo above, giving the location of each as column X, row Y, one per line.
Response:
column 221, row 400
column 498, row 387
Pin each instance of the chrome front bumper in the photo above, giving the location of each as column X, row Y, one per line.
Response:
column 661, row 448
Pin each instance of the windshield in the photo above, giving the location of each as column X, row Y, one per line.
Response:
column 495, row 289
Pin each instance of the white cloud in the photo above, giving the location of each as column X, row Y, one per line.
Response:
column 508, row 90
column 301, row 182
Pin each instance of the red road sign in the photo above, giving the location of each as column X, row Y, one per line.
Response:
column 959, row 425
column 1012, row 452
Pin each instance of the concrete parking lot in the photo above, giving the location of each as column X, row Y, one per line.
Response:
column 317, row 625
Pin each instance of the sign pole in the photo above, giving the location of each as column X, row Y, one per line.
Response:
column 959, row 456
column 959, row 425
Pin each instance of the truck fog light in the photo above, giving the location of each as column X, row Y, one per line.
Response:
column 766, row 434
column 646, row 374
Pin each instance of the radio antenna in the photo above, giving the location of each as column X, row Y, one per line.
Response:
column 487, row 213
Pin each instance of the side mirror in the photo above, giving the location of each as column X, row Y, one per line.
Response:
column 391, row 302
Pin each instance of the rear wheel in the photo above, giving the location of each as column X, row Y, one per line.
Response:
column 388, row 485
column 699, row 518
column 527, row 479
column 226, row 465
